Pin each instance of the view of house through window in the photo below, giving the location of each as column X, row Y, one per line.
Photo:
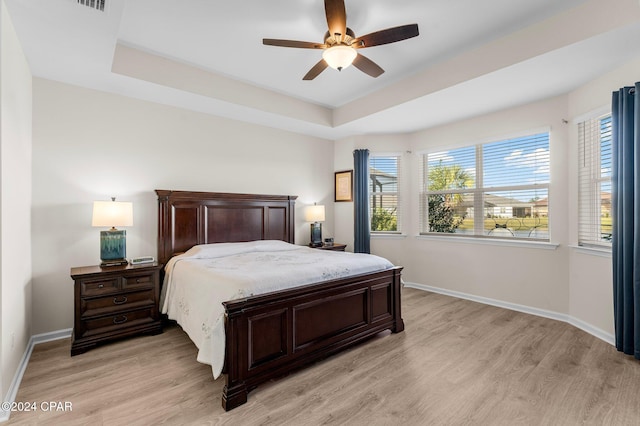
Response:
column 383, row 193
column 594, row 177
column 498, row 189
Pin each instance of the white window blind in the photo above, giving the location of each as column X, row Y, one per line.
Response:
column 94, row 4
column 384, row 195
column 497, row 189
column 594, row 180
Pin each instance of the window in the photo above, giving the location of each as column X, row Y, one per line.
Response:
column 594, row 180
column 384, row 197
column 498, row 189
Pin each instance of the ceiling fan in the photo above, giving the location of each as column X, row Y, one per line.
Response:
column 340, row 43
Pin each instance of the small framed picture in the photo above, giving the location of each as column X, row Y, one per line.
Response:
column 344, row 185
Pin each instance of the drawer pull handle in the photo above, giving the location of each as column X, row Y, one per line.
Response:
column 100, row 285
column 122, row 321
column 121, row 301
column 138, row 280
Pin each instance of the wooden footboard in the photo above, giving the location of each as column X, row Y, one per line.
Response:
column 271, row 335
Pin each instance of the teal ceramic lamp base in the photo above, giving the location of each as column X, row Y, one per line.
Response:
column 316, row 235
column 113, row 247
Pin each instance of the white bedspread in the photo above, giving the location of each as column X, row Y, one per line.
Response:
column 198, row 281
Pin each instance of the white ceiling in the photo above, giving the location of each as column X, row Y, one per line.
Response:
column 496, row 53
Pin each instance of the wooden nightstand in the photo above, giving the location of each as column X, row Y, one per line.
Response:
column 334, row 247
column 114, row 302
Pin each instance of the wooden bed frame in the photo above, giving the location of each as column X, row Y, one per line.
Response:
column 270, row 335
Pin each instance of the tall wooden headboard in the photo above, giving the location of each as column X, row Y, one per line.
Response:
column 187, row 218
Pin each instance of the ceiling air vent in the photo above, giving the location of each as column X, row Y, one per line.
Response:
column 94, row 4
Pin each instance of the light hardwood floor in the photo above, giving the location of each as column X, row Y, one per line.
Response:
column 457, row 362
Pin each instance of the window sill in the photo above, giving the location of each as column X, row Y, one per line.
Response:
column 388, row 236
column 543, row 245
column 592, row 251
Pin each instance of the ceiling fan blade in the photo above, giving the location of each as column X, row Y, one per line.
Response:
column 390, row 35
column 367, row 66
column 293, row 43
column 336, row 18
column 316, row 70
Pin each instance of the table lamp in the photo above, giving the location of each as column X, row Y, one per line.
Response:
column 315, row 214
column 113, row 243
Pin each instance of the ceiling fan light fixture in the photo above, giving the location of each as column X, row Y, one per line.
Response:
column 339, row 57
column 340, row 43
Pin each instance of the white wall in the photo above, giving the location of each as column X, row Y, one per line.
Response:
column 15, row 201
column 89, row 145
column 529, row 276
column 590, row 285
column 343, row 160
column 526, row 275
column 566, row 282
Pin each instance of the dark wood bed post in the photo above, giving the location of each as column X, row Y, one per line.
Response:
column 398, row 322
column 163, row 227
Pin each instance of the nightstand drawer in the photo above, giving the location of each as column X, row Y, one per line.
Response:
column 118, row 321
column 99, row 286
column 131, row 282
column 116, row 303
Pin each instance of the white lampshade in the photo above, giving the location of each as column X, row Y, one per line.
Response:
column 314, row 213
column 112, row 213
column 339, row 57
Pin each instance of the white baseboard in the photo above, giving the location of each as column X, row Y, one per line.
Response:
column 588, row 328
column 17, row 378
column 51, row 336
column 594, row 331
